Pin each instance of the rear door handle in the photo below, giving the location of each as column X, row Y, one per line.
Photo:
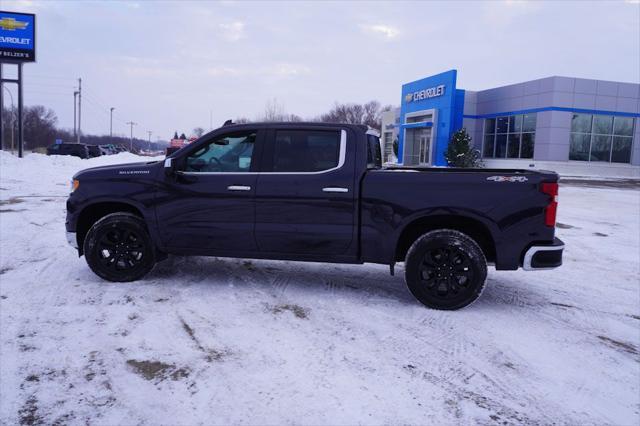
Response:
column 238, row 188
column 335, row 189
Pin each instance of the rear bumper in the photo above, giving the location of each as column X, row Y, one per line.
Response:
column 539, row 257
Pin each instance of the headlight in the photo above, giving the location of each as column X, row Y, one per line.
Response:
column 75, row 184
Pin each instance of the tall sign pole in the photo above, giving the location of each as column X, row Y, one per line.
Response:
column 20, row 127
column 17, row 46
column 1, row 108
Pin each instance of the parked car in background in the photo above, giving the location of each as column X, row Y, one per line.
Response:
column 105, row 150
column 94, row 150
column 79, row 150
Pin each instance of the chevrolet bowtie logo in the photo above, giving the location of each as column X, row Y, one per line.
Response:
column 11, row 24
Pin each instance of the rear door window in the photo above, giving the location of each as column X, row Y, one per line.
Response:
column 306, row 151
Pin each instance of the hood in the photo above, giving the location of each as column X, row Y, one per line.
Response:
column 117, row 170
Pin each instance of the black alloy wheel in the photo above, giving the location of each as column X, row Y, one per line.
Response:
column 119, row 248
column 445, row 269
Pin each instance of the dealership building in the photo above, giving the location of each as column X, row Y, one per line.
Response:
column 575, row 126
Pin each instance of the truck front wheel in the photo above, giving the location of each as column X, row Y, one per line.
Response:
column 119, row 248
column 445, row 269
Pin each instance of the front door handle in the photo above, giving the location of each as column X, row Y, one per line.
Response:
column 335, row 189
column 186, row 177
column 238, row 188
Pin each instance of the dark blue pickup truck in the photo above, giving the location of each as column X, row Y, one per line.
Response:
column 315, row 192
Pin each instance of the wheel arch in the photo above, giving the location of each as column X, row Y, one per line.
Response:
column 470, row 226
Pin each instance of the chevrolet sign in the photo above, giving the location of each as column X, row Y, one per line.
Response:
column 431, row 92
column 17, row 37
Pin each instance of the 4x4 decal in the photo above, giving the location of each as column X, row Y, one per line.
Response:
column 508, row 178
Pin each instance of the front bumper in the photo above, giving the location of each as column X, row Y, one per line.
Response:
column 539, row 257
column 72, row 239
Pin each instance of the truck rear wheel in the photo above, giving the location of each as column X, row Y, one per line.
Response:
column 119, row 248
column 445, row 269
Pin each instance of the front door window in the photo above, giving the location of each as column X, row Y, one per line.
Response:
column 227, row 153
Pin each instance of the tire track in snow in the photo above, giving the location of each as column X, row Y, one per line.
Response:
column 472, row 367
column 279, row 285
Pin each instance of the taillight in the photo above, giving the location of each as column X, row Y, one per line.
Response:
column 551, row 189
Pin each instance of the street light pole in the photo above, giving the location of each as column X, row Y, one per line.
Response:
column 111, row 125
column 149, row 147
column 75, row 113
column 131, row 123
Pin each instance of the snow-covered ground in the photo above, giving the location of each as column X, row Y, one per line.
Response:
column 219, row 341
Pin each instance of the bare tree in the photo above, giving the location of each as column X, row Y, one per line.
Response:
column 39, row 125
column 369, row 114
column 274, row 111
column 198, row 131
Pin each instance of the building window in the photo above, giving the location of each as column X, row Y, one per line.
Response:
column 419, row 119
column 510, row 136
column 601, row 138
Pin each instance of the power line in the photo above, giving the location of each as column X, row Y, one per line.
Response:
column 96, row 106
column 105, row 109
column 44, row 92
column 66, row 86
column 49, row 76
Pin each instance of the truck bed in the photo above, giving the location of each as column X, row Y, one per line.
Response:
column 506, row 204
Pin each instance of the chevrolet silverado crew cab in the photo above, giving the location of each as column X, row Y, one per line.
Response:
column 315, row 192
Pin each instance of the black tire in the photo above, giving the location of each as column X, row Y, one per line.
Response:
column 118, row 248
column 445, row 269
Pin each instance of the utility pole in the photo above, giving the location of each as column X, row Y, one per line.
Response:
column 79, row 108
column 75, row 113
column 131, row 123
column 150, row 132
column 111, row 125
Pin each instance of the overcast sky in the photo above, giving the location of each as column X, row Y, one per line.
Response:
column 168, row 65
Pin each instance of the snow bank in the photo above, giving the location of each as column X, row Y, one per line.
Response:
column 219, row 341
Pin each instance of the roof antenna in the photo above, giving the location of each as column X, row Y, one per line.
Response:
column 227, row 123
